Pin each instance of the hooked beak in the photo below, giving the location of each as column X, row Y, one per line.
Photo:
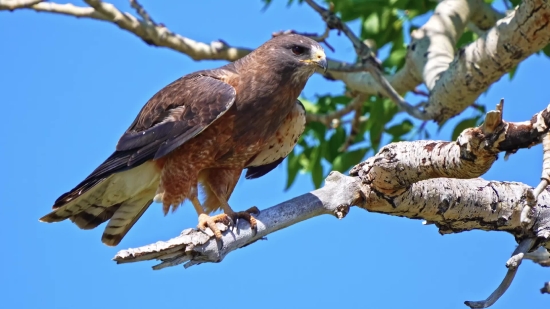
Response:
column 318, row 58
column 322, row 63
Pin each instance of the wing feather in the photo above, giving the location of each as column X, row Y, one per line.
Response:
column 204, row 100
column 171, row 117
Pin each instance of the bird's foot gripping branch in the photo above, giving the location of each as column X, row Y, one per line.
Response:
column 432, row 180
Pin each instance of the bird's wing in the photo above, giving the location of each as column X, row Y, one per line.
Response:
column 171, row 117
column 279, row 145
column 176, row 114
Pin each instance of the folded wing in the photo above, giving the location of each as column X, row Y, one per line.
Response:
column 123, row 186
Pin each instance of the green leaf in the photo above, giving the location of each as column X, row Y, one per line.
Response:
column 318, row 129
column 293, row 167
column 512, row 72
column 317, row 174
column 401, row 129
column 396, row 58
column 371, row 25
column 348, row 159
column 463, row 125
column 466, row 38
column 310, row 107
column 334, row 143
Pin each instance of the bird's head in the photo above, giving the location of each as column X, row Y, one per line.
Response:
column 295, row 54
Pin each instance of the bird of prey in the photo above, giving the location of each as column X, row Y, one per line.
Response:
column 203, row 129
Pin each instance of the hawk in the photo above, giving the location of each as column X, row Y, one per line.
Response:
column 203, row 130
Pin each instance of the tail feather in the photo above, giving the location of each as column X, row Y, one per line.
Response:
column 75, row 206
column 121, row 198
column 94, row 216
column 124, row 219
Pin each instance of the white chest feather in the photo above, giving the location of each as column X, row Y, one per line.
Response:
column 282, row 143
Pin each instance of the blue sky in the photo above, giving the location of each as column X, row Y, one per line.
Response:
column 69, row 89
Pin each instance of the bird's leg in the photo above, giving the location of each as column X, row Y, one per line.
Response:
column 206, row 221
column 218, row 184
column 235, row 216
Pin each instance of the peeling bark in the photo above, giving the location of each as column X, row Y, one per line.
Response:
column 432, row 180
column 455, row 79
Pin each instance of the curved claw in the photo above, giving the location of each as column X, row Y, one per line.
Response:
column 247, row 216
column 210, row 222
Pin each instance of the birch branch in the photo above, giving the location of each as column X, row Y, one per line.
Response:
column 486, row 60
column 454, row 80
column 17, row 4
column 433, row 180
column 540, row 256
column 152, row 34
column 195, row 247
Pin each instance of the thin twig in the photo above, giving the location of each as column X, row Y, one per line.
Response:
column 540, row 256
column 314, row 36
column 333, row 22
column 327, row 119
column 368, row 61
column 142, row 12
column 527, row 213
column 355, row 126
column 512, row 264
column 17, row 4
column 157, row 35
column 420, row 92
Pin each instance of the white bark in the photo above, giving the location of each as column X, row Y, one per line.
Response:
column 433, row 180
column 194, row 247
column 455, row 80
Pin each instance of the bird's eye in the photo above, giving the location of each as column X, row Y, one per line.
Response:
column 298, row 50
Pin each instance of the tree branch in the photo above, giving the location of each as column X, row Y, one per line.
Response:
column 540, row 256
column 513, row 265
column 157, row 35
column 487, row 59
column 454, row 80
column 431, row 180
column 329, row 119
column 17, row 4
column 369, row 63
column 195, row 247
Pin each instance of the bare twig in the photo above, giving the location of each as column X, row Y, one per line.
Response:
column 512, row 264
column 17, row 4
column 333, row 22
column 194, row 247
column 368, row 61
column 314, row 36
column 142, row 12
column 355, row 126
column 453, row 85
column 420, row 92
column 540, row 256
column 531, row 195
column 328, row 119
column 157, row 35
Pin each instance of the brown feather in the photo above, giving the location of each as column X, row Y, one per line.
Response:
column 218, row 120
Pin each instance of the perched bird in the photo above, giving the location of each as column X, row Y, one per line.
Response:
column 204, row 129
